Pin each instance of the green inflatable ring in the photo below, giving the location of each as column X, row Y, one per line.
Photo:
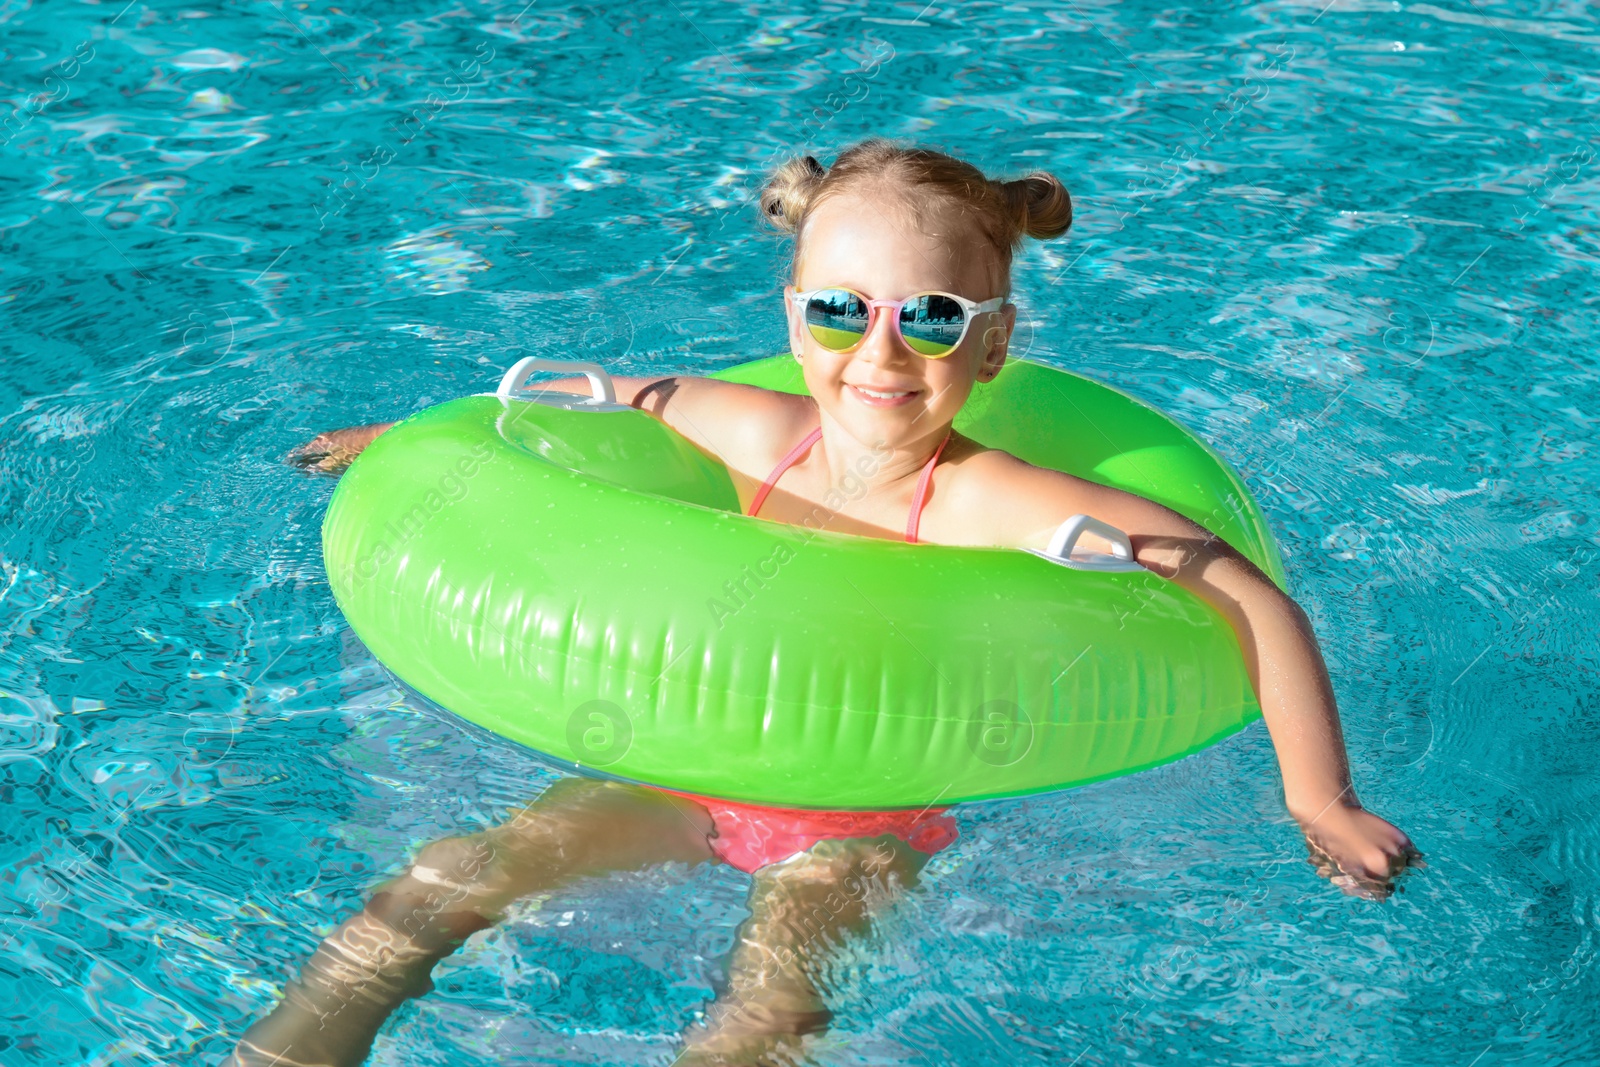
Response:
column 583, row 582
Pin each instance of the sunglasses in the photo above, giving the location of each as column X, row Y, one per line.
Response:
column 931, row 324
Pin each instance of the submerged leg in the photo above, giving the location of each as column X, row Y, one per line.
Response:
column 800, row 912
column 382, row 955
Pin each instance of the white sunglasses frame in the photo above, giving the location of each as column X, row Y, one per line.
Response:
column 972, row 309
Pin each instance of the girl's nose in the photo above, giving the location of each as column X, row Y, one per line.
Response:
column 882, row 343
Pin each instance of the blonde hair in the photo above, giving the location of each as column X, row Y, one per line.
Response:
column 1036, row 205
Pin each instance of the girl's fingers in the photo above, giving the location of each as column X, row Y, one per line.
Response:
column 1370, row 877
column 324, row 452
column 334, row 450
column 313, row 450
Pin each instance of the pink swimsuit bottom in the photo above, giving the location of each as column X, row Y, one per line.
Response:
column 750, row 836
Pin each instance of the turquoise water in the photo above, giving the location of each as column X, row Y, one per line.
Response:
column 1352, row 246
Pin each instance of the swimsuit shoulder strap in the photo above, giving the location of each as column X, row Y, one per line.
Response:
column 783, row 464
column 918, row 501
column 921, row 497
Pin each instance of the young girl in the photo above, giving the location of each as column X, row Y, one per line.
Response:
column 896, row 309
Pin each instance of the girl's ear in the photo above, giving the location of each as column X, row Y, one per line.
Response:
column 996, row 341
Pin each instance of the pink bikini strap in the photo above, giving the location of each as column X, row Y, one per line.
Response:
column 918, row 500
column 921, row 496
column 783, row 464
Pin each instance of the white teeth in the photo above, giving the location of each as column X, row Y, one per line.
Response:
column 880, row 396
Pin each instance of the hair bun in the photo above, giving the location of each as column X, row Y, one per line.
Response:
column 1039, row 204
column 788, row 193
column 999, row 213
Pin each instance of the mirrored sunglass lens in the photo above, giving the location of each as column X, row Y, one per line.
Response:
column 837, row 318
column 932, row 324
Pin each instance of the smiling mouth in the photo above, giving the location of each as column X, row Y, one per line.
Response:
column 883, row 398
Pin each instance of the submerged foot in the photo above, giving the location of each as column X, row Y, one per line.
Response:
column 752, row 1035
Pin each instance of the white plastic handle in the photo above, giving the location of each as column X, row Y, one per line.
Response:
column 599, row 381
column 1066, row 539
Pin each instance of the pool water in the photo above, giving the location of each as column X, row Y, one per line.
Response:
column 1354, row 246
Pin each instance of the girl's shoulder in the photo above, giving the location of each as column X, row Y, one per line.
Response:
column 993, row 498
column 745, row 426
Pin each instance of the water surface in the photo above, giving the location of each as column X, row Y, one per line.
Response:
column 1354, row 246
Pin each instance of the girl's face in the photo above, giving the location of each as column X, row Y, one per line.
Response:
column 885, row 249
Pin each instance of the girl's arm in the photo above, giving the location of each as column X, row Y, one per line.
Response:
column 1291, row 683
column 335, row 450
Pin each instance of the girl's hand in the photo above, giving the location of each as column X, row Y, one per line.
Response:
column 1357, row 851
column 335, row 450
